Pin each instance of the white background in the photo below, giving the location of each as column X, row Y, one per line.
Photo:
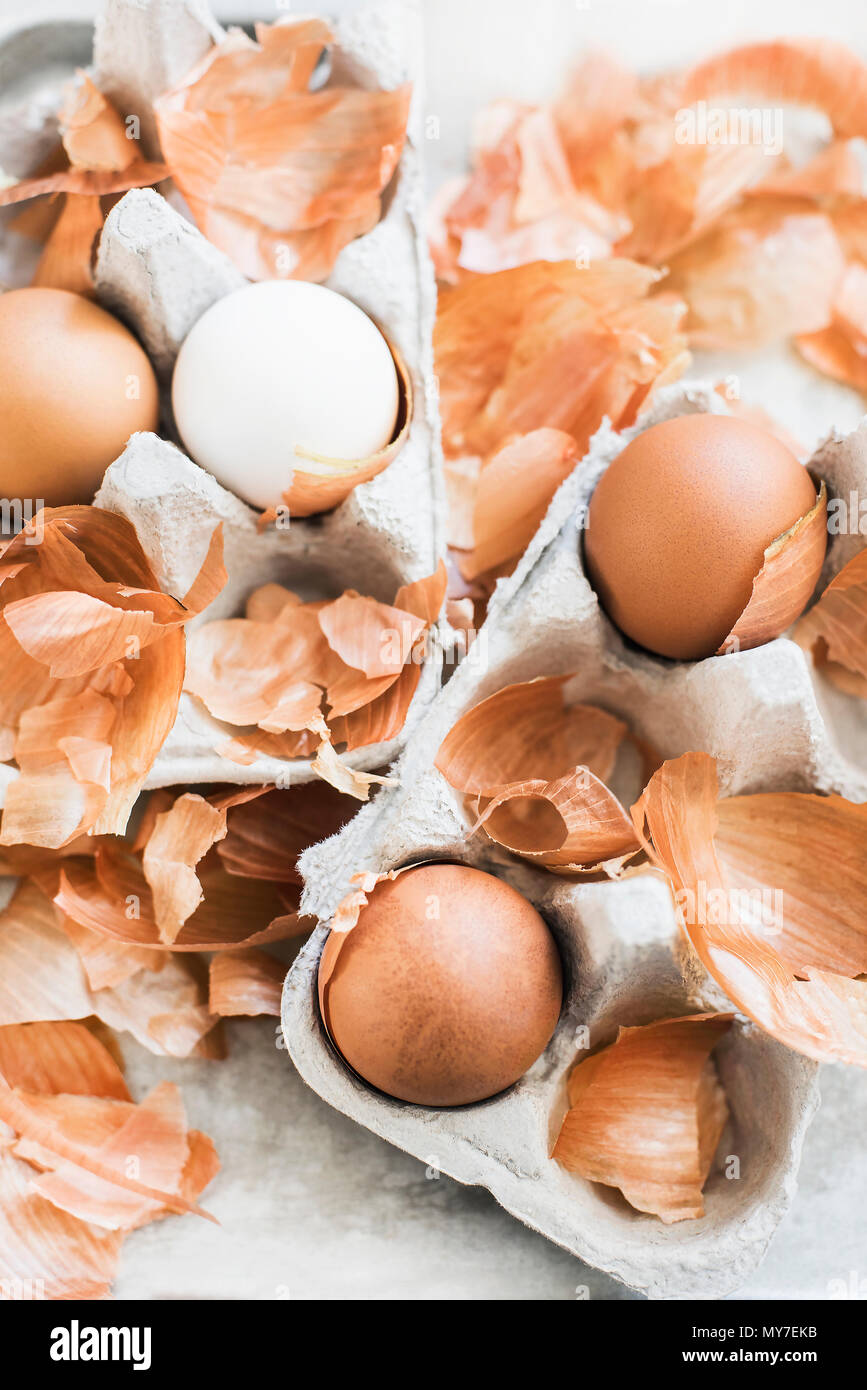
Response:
column 311, row 1205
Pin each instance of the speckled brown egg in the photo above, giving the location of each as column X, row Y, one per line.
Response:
column 678, row 526
column 446, row 990
column 74, row 385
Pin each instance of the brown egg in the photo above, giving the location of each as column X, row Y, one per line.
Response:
column 447, row 989
column 74, row 385
column 678, row 526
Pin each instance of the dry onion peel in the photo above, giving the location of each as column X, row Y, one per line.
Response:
column 382, row 718
column 512, row 492
column 372, row 637
column 279, row 177
column 266, row 836
column 527, row 731
column 764, row 272
column 818, row 73
column 534, row 769
column 95, row 182
column 782, row 588
column 49, row 1058
column 646, row 1115
column 155, row 1131
column 82, row 620
column 54, row 969
column 823, row 1015
column 113, row 897
column 837, row 353
column 102, row 161
column 41, row 975
column 573, row 822
column 550, row 345
column 833, row 171
column 35, row 1120
column 840, row 349
column 164, row 1012
column 530, row 195
column 180, row 837
column 108, row 962
column 243, row 880
column 764, row 840
column 44, row 1252
column 755, row 256
column 312, row 675
column 93, row 133
column 349, row 780
column 246, row 982
column 835, row 629
column 65, row 260
column 675, row 201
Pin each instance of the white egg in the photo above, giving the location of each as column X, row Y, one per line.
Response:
column 276, row 367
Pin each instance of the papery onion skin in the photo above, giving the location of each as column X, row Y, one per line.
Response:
column 815, row 1011
column 646, row 1114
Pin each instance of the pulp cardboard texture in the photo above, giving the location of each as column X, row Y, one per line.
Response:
column 158, row 273
column 760, row 713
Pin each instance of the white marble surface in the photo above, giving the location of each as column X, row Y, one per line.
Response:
column 310, row 1205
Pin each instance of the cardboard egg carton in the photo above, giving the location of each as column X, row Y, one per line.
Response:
column 157, row 272
column 763, row 715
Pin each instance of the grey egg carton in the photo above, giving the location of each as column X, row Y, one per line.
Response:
column 157, row 272
column 763, row 715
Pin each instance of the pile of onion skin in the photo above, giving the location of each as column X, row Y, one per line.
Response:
column 159, row 935
column 590, row 248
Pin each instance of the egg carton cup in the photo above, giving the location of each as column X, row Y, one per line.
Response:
column 175, row 506
column 761, row 714
column 620, row 952
column 157, row 272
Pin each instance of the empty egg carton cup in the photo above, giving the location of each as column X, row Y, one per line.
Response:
column 760, row 713
column 157, row 272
